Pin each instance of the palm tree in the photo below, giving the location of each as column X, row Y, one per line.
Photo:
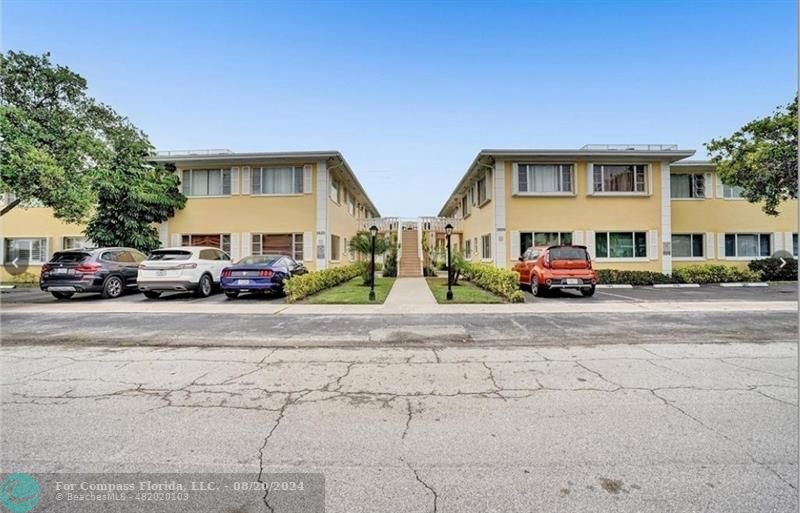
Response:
column 361, row 243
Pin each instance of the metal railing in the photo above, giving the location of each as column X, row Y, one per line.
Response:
column 437, row 224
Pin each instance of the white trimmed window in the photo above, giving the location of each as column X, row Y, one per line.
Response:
column 351, row 204
column 206, row 182
column 32, row 251
column 544, row 178
column 731, row 191
column 466, row 206
column 620, row 244
column 290, row 244
column 687, row 245
column 482, row 193
column 335, row 191
column 486, row 246
column 75, row 243
column 748, row 245
column 336, row 249
column 688, row 186
column 277, row 180
column 528, row 239
column 626, row 178
column 468, row 248
column 214, row 240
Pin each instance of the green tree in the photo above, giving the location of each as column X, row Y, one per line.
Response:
column 361, row 243
column 761, row 157
column 50, row 145
column 133, row 193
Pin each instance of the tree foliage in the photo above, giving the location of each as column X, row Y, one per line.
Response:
column 761, row 157
column 65, row 150
column 362, row 243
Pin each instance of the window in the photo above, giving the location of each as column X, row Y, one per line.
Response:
column 687, row 186
column 290, row 244
column 206, row 182
column 528, row 239
column 688, row 245
column 351, row 204
column 278, row 180
column 334, row 193
column 33, row 251
column 747, row 245
column 335, row 248
column 544, row 178
column 466, row 206
column 486, row 246
column 794, row 244
column 731, row 191
column 216, row 240
column 620, row 178
column 468, row 248
column 76, row 243
column 482, row 196
column 620, row 244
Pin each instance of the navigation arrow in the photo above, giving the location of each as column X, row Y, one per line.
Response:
column 783, row 262
column 14, row 262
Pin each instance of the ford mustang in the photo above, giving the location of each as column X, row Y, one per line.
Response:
column 260, row 274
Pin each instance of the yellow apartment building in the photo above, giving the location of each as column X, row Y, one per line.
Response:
column 623, row 202
column 304, row 204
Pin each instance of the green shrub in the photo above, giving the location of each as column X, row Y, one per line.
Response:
column 26, row 278
column 503, row 282
column 714, row 273
column 616, row 277
column 304, row 285
column 770, row 269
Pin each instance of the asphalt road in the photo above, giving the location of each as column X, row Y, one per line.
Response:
column 670, row 427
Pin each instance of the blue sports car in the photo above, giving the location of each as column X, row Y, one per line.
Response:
column 262, row 274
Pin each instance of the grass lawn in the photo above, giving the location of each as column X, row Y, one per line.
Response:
column 464, row 292
column 353, row 293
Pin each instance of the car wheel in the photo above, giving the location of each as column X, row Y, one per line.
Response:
column 151, row 294
column 205, row 286
column 62, row 295
column 536, row 289
column 588, row 292
column 232, row 294
column 113, row 287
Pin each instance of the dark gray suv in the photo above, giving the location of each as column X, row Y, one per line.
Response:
column 109, row 271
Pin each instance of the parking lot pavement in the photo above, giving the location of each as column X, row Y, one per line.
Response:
column 34, row 296
column 672, row 427
column 773, row 292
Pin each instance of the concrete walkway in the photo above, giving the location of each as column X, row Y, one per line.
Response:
column 408, row 291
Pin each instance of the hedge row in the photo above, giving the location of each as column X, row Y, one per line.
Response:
column 298, row 287
column 771, row 270
column 503, row 282
column 702, row 273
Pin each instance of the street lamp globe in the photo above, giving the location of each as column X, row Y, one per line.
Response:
column 448, row 229
column 373, row 230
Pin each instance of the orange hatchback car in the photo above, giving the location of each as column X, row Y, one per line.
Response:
column 557, row 267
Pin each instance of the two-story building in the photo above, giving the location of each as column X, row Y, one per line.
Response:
column 625, row 203
column 304, row 204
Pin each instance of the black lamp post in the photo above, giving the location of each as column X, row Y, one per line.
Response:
column 373, row 230
column 448, row 230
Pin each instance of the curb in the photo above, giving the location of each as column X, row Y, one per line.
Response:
column 676, row 285
column 615, row 286
column 746, row 284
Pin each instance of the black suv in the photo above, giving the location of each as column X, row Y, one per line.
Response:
column 109, row 271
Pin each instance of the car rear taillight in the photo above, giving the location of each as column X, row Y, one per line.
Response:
column 227, row 273
column 87, row 268
column 588, row 263
column 266, row 273
column 546, row 262
column 46, row 268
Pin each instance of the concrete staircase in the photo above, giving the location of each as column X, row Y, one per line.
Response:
column 410, row 263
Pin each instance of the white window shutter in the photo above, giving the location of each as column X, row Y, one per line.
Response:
column 649, row 176
column 308, row 246
column 306, row 184
column 515, row 178
column 247, row 244
column 577, row 238
column 2, row 250
column 590, row 182
column 246, row 183
column 788, row 242
column 708, row 184
column 777, row 242
column 590, row 243
column 474, row 194
column 176, row 240
column 718, row 182
column 709, row 245
column 516, row 250
column 235, row 247
column 235, row 180
column 59, row 243
column 652, row 244
column 720, row 246
column 489, row 185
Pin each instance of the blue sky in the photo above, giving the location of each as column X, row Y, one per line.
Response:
column 411, row 91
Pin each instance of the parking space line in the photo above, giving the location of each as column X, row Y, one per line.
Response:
column 621, row 296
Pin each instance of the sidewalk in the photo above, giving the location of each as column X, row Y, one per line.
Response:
column 406, row 292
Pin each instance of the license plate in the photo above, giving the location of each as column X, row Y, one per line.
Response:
column 573, row 281
column 60, row 270
column 243, row 282
column 161, row 273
